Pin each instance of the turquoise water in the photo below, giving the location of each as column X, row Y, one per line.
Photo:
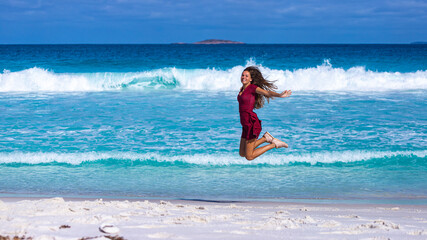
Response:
column 161, row 121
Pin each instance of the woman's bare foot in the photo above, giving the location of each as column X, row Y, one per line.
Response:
column 279, row 144
column 268, row 137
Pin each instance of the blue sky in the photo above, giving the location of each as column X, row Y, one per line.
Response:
column 250, row 21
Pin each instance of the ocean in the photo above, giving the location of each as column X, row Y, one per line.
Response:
column 162, row 122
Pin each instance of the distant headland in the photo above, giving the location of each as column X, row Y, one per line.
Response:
column 214, row 41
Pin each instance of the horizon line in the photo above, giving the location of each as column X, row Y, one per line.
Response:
column 178, row 43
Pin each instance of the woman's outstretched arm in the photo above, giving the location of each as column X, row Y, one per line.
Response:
column 286, row 93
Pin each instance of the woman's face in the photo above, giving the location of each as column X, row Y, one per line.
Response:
column 246, row 77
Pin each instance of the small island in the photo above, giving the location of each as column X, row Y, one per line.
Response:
column 218, row 41
column 214, row 41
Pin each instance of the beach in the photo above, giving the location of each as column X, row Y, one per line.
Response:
column 217, row 120
column 154, row 131
column 56, row 218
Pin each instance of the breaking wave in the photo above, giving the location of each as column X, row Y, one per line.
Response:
column 131, row 158
column 321, row 78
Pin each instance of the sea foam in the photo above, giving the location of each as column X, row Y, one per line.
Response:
column 320, row 78
column 204, row 159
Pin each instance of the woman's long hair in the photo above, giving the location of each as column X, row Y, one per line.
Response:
column 261, row 82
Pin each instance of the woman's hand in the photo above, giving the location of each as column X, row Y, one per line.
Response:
column 286, row 93
column 272, row 94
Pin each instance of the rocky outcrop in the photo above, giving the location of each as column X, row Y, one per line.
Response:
column 218, row 41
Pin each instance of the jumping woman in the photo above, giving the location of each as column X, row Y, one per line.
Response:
column 252, row 95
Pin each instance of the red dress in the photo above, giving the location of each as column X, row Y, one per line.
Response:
column 251, row 125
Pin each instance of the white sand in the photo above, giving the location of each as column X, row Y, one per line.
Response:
column 42, row 218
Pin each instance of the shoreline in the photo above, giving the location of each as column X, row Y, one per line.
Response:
column 42, row 218
column 414, row 201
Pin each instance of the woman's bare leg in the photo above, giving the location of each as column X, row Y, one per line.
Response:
column 252, row 152
column 260, row 141
column 242, row 149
